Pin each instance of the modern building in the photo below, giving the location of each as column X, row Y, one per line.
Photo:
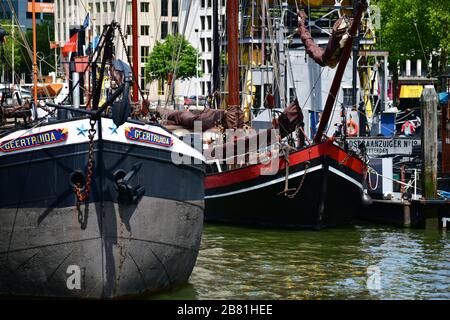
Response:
column 157, row 19
column 20, row 8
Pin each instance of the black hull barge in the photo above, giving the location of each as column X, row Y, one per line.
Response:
column 325, row 190
column 138, row 231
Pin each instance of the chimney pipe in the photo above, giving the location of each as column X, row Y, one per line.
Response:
column 419, row 68
column 408, row 68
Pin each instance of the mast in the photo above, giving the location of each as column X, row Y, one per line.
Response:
column 233, row 56
column 134, row 9
column 35, row 72
column 340, row 72
column 216, row 57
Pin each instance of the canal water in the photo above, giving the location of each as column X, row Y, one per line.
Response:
column 362, row 262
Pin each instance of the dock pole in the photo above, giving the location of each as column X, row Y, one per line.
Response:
column 429, row 102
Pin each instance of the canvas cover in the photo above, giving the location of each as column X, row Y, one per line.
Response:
column 331, row 55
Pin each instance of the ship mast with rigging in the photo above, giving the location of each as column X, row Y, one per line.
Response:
column 35, row 71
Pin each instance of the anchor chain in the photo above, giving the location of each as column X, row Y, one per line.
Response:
column 293, row 195
column 287, row 190
column 82, row 195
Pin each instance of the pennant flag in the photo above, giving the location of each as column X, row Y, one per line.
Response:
column 54, row 44
column 95, row 42
column 70, row 46
column 87, row 22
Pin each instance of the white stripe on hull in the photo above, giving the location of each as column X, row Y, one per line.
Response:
column 291, row 176
column 275, row 181
column 346, row 177
column 78, row 133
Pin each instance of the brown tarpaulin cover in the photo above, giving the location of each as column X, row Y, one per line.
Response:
column 287, row 122
column 331, row 55
column 234, row 118
column 209, row 117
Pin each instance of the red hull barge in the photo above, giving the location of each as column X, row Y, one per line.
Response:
column 329, row 182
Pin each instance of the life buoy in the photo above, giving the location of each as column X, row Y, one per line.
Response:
column 352, row 128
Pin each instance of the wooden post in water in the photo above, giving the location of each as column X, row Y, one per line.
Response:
column 429, row 102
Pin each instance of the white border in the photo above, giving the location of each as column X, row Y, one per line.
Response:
column 291, row 176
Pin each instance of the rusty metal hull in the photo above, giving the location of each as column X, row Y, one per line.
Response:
column 129, row 250
column 109, row 246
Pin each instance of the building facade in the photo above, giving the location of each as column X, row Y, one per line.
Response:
column 20, row 8
column 156, row 20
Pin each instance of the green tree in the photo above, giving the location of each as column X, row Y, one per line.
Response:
column 402, row 21
column 44, row 34
column 6, row 51
column 415, row 29
column 162, row 61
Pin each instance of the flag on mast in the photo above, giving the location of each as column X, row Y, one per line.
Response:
column 87, row 22
column 70, row 46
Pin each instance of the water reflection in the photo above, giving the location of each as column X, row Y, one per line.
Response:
column 242, row 263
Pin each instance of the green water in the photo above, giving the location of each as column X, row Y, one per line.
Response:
column 243, row 263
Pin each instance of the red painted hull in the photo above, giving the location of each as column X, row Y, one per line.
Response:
column 332, row 184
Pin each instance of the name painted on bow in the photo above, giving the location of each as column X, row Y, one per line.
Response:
column 146, row 136
column 35, row 140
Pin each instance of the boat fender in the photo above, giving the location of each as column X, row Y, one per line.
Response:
column 366, row 199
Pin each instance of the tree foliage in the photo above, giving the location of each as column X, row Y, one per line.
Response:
column 7, row 49
column 44, row 34
column 162, row 61
column 402, row 21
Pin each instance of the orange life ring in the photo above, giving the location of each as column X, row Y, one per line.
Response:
column 352, row 128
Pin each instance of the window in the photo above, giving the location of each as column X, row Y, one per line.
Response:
column 145, row 50
column 203, row 3
column 105, row 6
column 164, row 29
column 130, row 52
column 129, row 6
column 209, row 41
column 174, row 8
column 202, row 20
column 129, row 30
column 209, row 64
column 174, row 28
column 202, row 42
column 164, row 8
column 142, row 78
column 209, row 3
column 145, row 30
column 97, row 7
column 208, row 18
column 145, row 7
column 113, row 6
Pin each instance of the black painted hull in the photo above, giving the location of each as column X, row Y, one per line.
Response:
column 119, row 249
column 330, row 196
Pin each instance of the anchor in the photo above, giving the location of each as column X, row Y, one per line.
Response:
column 128, row 194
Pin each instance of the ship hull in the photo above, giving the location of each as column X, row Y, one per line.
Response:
column 105, row 247
column 329, row 185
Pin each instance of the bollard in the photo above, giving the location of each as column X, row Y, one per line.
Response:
column 407, row 215
column 429, row 102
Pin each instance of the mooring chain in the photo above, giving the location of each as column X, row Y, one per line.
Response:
column 286, row 192
column 293, row 195
column 82, row 195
